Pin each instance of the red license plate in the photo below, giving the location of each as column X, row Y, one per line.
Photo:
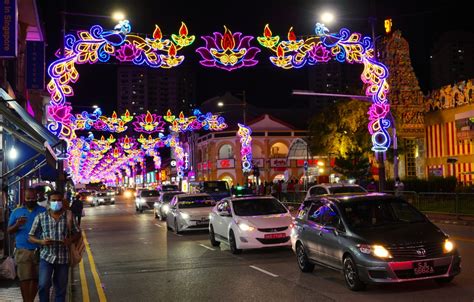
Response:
column 273, row 236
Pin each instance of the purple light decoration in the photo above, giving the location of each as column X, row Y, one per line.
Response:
column 127, row 52
column 228, row 51
column 149, row 123
column 246, row 147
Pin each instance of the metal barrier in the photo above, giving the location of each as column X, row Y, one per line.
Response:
column 429, row 202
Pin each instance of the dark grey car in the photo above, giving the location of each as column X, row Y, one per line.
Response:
column 374, row 238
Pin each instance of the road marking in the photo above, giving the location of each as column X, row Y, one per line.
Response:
column 463, row 239
column 84, row 287
column 206, row 247
column 263, row 271
column 100, row 290
column 158, row 225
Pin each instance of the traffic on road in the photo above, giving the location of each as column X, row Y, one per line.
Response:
column 330, row 247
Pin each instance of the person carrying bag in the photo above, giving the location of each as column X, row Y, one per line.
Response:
column 76, row 248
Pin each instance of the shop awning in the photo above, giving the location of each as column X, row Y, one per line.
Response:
column 34, row 136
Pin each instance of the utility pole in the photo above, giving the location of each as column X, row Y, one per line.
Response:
column 244, row 106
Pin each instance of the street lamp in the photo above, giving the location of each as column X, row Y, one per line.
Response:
column 13, row 153
column 327, row 17
column 118, row 16
column 243, row 105
column 95, row 106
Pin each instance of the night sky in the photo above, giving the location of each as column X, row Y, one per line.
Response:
column 421, row 24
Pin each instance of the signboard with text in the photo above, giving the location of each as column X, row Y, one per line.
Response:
column 278, row 163
column 9, row 26
column 225, row 163
column 35, row 65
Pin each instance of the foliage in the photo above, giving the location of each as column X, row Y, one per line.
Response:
column 340, row 128
column 354, row 165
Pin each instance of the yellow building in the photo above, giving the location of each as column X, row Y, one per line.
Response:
column 218, row 153
column 449, row 132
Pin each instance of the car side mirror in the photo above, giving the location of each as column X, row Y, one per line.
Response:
column 225, row 214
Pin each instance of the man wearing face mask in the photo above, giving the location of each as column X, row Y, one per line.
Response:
column 50, row 230
column 26, row 257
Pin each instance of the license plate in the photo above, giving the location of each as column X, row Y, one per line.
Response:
column 273, row 236
column 423, row 268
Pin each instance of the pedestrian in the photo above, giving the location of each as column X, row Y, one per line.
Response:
column 371, row 187
column 42, row 199
column 50, row 231
column 399, row 187
column 26, row 255
column 76, row 209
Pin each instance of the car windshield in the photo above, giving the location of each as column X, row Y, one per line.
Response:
column 373, row 213
column 187, row 202
column 347, row 189
column 257, row 207
column 215, row 186
column 102, row 194
column 168, row 196
column 149, row 193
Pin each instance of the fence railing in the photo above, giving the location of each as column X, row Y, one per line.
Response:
column 428, row 202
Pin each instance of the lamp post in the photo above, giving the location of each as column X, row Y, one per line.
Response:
column 243, row 105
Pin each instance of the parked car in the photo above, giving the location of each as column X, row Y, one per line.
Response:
column 218, row 189
column 146, row 199
column 168, row 188
column 327, row 189
column 102, row 197
column 373, row 238
column 162, row 206
column 189, row 212
column 249, row 223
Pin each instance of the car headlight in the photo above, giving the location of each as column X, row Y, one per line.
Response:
column 376, row 250
column 89, row 198
column 245, row 227
column 185, row 215
column 127, row 194
column 448, row 246
column 113, row 199
column 166, row 208
column 101, row 199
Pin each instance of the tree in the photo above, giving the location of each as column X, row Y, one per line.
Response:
column 353, row 165
column 340, row 128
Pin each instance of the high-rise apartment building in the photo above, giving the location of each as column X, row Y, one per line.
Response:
column 142, row 88
column 452, row 59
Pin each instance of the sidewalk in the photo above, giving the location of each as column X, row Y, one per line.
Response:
column 10, row 291
column 451, row 219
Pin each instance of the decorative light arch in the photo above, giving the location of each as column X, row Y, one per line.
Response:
column 342, row 47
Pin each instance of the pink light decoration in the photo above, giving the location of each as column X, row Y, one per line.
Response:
column 148, row 123
column 228, row 51
column 127, row 52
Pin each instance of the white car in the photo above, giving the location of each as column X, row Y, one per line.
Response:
column 146, row 199
column 189, row 212
column 250, row 223
column 331, row 189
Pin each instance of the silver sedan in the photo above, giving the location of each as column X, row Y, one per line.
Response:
column 189, row 212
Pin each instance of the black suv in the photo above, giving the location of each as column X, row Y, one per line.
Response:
column 373, row 238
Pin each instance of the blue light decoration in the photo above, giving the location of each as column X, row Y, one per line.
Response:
column 344, row 47
column 245, row 147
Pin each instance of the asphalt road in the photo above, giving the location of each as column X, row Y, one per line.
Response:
column 132, row 257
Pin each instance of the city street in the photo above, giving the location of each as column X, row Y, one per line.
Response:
column 132, row 257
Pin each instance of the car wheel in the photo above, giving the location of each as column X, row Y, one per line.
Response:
column 302, row 258
column 445, row 280
column 176, row 227
column 140, row 210
column 156, row 215
column 351, row 275
column 212, row 237
column 233, row 244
